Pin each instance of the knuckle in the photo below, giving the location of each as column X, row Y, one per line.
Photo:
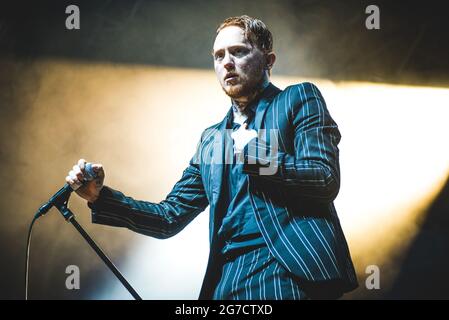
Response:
column 81, row 163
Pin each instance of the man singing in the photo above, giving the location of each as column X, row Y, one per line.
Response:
column 270, row 173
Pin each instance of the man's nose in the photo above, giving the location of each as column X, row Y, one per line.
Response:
column 228, row 62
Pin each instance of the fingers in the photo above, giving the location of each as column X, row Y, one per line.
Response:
column 76, row 175
column 69, row 180
column 75, row 184
column 82, row 164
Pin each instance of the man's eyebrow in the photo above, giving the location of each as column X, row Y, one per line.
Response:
column 218, row 50
column 230, row 48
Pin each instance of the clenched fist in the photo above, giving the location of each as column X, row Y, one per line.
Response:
column 88, row 190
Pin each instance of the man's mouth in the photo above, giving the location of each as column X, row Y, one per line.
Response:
column 230, row 77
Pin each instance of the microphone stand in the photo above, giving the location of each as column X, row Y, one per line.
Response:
column 61, row 204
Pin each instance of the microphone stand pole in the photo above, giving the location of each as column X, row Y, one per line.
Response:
column 61, row 205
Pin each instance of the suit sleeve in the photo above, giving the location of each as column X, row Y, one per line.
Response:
column 160, row 220
column 313, row 170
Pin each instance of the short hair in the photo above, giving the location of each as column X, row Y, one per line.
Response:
column 255, row 31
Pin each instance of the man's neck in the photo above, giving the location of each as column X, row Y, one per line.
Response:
column 243, row 102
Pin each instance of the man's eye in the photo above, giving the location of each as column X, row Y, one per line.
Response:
column 240, row 52
column 218, row 56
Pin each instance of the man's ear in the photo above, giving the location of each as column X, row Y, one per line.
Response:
column 270, row 59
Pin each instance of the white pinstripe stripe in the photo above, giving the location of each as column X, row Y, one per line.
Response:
column 260, row 285
column 330, row 228
column 238, row 273
column 293, row 290
column 235, row 275
column 278, row 278
column 264, row 275
column 298, row 291
column 276, row 116
column 321, row 118
column 274, row 283
column 305, row 108
column 218, row 289
column 248, row 281
column 290, row 104
column 226, row 279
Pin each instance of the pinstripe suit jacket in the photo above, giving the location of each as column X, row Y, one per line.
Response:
column 293, row 205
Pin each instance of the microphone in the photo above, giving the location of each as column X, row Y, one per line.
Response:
column 65, row 191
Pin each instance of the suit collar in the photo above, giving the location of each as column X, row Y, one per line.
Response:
column 266, row 97
column 258, row 107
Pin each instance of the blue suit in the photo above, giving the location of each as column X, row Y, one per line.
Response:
column 293, row 205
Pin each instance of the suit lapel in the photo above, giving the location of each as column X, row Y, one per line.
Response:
column 218, row 168
column 267, row 96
